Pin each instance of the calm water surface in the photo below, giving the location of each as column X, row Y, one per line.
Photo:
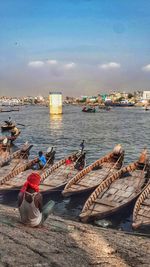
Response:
column 101, row 131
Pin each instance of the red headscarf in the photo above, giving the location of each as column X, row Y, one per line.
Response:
column 33, row 181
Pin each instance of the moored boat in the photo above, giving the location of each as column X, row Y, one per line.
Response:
column 119, row 104
column 52, row 178
column 7, row 127
column 23, row 152
column 23, row 168
column 93, row 175
column 141, row 212
column 117, row 191
column 89, row 109
column 10, row 138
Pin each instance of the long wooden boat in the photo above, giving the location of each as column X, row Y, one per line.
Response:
column 23, row 152
column 93, row 175
column 117, row 191
column 5, row 110
column 141, row 212
column 10, row 138
column 22, row 168
column 89, row 110
column 52, row 178
column 7, row 127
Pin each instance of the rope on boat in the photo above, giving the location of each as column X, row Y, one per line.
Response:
column 98, row 162
column 81, row 174
column 139, row 201
column 106, row 183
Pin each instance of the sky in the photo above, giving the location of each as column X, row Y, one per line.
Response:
column 78, row 47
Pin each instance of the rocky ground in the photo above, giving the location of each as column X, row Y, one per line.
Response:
column 64, row 243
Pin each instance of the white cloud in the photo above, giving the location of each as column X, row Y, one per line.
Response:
column 36, row 64
column 110, row 65
column 52, row 62
column 70, row 65
column 146, row 68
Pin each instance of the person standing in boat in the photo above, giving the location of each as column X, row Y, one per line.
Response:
column 30, row 202
column 80, row 162
column 69, row 166
column 82, row 146
column 50, row 155
column 9, row 121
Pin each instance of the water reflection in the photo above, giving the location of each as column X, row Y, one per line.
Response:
column 55, row 121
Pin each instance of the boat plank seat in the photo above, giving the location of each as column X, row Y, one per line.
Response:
column 98, row 208
column 81, row 183
column 105, row 202
column 45, row 185
column 53, row 182
column 74, row 187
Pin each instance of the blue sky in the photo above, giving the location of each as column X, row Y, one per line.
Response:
column 76, row 46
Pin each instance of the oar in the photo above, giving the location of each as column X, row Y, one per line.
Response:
column 21, row 124
column 47, row 163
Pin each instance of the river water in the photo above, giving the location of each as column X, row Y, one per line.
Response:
column 101, row 131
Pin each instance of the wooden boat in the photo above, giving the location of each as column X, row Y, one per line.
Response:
column 7, row 127
column 23, row 152
column 117, row 191
column 10, row 138
column 5, row 110
column 52, row 178
column 15, row 109
column 141, row 212
column 93, row 175
column 89, row 109
column 24, row 167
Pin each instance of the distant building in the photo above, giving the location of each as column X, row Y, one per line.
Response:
column 55, row 102
column 146, row 95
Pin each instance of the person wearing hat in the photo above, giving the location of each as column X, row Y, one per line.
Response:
column 30, row 202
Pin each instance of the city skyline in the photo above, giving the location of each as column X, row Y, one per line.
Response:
column 78, row 47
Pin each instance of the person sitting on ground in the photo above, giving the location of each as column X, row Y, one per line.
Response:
column 42, row 160
column 30, row 202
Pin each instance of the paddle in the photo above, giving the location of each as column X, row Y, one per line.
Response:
column 48, row 160
column 21, row 124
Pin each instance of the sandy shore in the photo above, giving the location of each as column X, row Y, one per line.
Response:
column 64, row 243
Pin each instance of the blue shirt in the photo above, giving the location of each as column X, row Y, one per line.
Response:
column 42, row 159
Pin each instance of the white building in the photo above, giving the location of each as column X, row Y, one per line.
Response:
column 146, row 95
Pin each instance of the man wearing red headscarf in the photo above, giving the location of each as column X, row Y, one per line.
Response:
column 30, row 203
